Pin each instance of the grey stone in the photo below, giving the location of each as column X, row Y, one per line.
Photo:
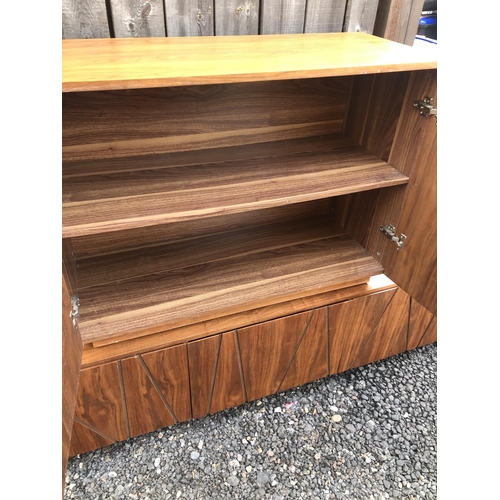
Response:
column 233, row 481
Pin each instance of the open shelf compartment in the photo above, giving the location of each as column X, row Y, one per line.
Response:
column 109, row 195
column 166, row 286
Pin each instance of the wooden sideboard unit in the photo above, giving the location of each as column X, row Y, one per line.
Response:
column 241, row 215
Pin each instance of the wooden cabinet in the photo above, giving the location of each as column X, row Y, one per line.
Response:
column 221, row 214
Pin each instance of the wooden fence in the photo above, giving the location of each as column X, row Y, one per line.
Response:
column 393, row 19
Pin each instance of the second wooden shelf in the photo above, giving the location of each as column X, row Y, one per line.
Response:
column 115, row 194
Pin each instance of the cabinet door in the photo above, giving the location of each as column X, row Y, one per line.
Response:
column 412, row 208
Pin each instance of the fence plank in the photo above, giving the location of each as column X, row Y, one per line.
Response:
column 413, row 19
column 190, row 17
column 84, row 19
column 397, row 20
column 360, row 15
column 282, row 16
column 236, row 17
column 324, row 16
column 138, row 18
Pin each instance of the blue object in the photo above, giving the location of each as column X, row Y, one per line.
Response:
column 428, row 21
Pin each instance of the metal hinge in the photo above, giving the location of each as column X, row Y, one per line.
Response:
column 75, row 305
column 425, row 107
column 390, row 231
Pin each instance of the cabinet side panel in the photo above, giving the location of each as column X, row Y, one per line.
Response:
column 430, row 334
column 374, row 110
column 354, row 213
column 71, row 362
column 421, row 325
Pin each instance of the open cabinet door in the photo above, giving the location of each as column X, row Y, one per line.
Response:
column 412, row 209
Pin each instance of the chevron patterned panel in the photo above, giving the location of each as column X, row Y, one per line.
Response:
column 367, row 329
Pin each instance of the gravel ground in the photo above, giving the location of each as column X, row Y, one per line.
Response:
column 369, row 433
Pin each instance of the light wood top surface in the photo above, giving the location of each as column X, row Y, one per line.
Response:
column 126, row 63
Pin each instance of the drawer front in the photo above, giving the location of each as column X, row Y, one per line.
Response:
column 146, row 392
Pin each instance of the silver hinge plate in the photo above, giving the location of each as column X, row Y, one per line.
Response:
column 75, row 311
column 425, row 107
column 390, row 232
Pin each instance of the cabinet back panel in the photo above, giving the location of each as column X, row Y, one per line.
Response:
column 121, row 241
column 137, row 122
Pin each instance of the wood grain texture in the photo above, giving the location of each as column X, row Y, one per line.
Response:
column 350, row 324
column 127, row 345
column 125, row 241
column 267, row 351
column 100, row 409
column 85, row 439
column 123, row 63
column 415, row 268
column 374, row 111
column 324, row 16
column 138, row 18
column 389, row 336
column 169, row 369
column 430, row 334
column 422, row 326
column 172, row 299
column 71, row 363
column 142, row 122
column 69, row 266
column 140, row 198
column 354, row 213
column 114, row 268
column 282, row 16
column 190, row 17
column 236, row 17
column 367, row 329
column 147, row 408
column 228, row 388
column 397, row 20
column 203, row 356
column 84, row 19
column 310, row 361
column 360, row 15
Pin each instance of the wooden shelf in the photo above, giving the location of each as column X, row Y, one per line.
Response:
column 128, row 63
column 116, row 194
column 155, row 289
